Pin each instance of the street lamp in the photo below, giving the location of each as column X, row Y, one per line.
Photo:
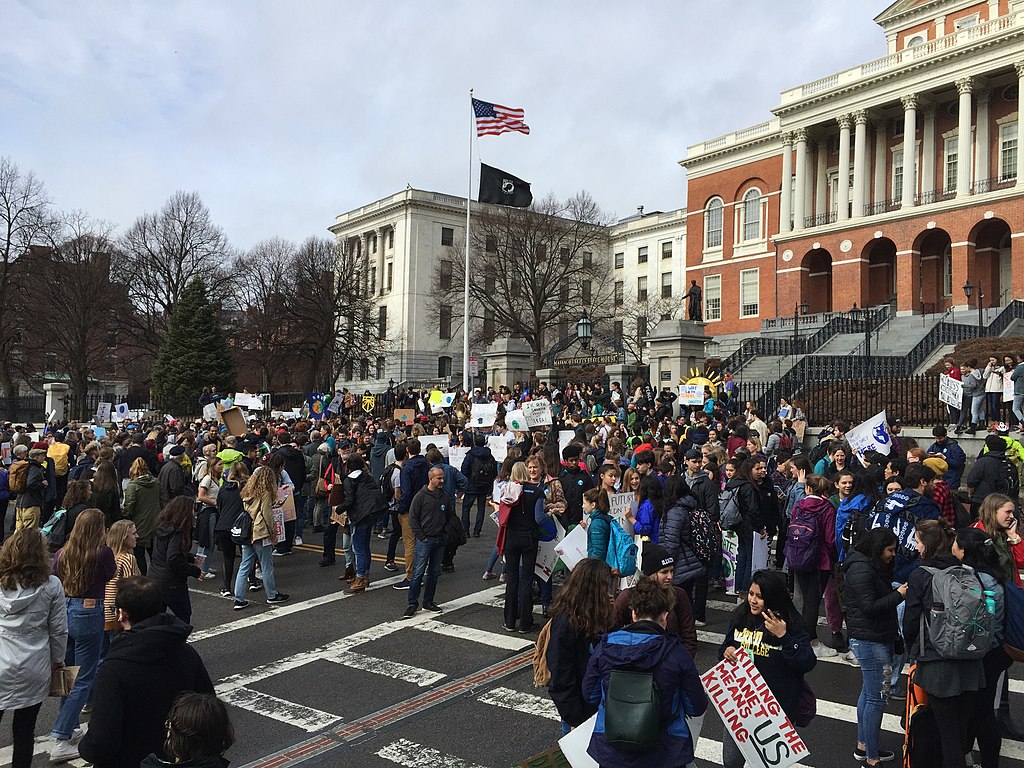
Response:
column 584, row 330
column 968, row 290
column 798, row 309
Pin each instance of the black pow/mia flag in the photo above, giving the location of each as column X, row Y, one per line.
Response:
column 502, row 188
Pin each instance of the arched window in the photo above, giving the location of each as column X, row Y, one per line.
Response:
column 752, row 215
column 713, row 223
column 915, row 41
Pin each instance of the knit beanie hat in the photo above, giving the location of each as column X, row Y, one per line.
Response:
column 655, row 558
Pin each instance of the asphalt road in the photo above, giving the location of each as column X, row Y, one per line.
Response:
column 327, row 680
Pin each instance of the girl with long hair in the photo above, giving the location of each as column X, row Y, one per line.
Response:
column 651, row 508
column 229, row 505
column 997, row 517
column 206, row 520
column 258, row 498
column 84, row 565
column 361, row 494
column 522, row 540
column 106, row 493
column 33, row 634
column 873, row 625
column 952, row 685
column 645, row 646
column 748, row 483
column 810, row 580
column 76, row 499
column 142, row 507
column 580, row 614
column 173, row 562
column 768, row 626
column 121, row 538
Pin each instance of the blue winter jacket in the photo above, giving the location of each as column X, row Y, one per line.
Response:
column 645, row 646
column 647, row 521
column 956, row 460
column 860, row 504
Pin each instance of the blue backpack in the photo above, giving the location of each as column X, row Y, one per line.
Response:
column 621, row 554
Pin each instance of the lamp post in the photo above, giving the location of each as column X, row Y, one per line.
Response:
column 968, row 291
column 798, row 309
column 859, row 313
column 584, row 330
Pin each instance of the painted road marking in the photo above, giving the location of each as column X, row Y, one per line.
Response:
column 527, row 703
column 413, row 755
column 393, row 669
column 285, row 610
column 308, row 719
column 41, row 745
column 493, row 639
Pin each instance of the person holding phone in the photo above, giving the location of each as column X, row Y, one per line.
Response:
column 998, row 518
column 768, row 626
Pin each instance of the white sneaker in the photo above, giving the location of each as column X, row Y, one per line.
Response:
column 849, row 657
column 63, row 750
column 822, row 651
column 298, row 541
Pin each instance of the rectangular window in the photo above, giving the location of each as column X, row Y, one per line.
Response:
column 617, row 328
column 349, row 370
column 588, row 259
column 950, row 158
column 373, row 280
column 364, row 369
column 491, row 244
column 750, row 292
column 490, row 279
column 619, row 298
column 947, row 273
column 620, row 260
column 666, row 250
column 391, row 238
column 564, row 253
column 380, row 368
column 563, row 329
column 641, row 255
column 713, row 297
column 585, row 291
column 1008, row 151
column 374, row 249
column 391, row 275
column 641, row 289
column 563, row 294
column 444, row 330
column 447, row 236
column 542, row 252
column 666, row 285
column 897, row 175
column 641, row 327
column 445, row 275
column 382, row 322
column 444, row 367
column 488, row 325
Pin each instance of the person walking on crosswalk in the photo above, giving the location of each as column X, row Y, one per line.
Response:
column 428, row 514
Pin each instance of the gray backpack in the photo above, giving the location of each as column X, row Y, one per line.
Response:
column 964, row 615
column 730, row 516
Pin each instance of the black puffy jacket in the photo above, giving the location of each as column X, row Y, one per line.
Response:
column 363, row 498
column 870, row 600
column 676, row 536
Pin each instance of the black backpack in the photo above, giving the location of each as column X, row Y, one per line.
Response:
column 241, row 529
column 632, row 711
column 56, row 530
column 482, row 473
column 961, row 512
column 387, row 485
column 1007, row 480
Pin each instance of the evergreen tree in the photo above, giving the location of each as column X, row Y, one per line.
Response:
column 195, row 355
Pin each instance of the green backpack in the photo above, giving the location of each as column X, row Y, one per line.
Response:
column 632, row 711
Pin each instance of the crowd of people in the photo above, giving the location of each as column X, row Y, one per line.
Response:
column 131, row 517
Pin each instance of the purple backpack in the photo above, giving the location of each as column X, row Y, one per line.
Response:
column 803, row 539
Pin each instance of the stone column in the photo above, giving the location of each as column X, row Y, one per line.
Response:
column 1019, row 66
column 381, row 244
column 800, row 194
column 675, row 348
column 981, row 139
column 881, row 164
column 364, row 262
column 928, row 152
column 56, row 392
column 786, row 195
column 843, row 195
column 860, row 166
column 821, row 180
column 909, row 149
column 964, row 86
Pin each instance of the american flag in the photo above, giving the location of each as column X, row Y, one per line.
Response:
column 493, row 119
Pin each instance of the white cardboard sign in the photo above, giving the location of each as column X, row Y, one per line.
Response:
column 951, row 391
column 483, row 415
column 499, row 447
column 538, row 413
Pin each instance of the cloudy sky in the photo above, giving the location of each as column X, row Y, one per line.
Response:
column 283, row 114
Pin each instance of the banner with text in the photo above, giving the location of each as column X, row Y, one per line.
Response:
column 951, row 391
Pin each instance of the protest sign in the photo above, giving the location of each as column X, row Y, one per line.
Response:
column 759, row 555
column 457, row 455
column 436, row 396
column 751, row 713
column 573, row 547
column 574, row 745
column 620, row 505
column 951, row 391
column 546, row 554
column 278, row 516
column 516, row 421
column 441, row 441
column 691, row 394
column 483, row 415
column 210, row 411
column 499, row 447
column 436, row 408
column 404, row 415
column 1007, row 387
column 538, row 413
column 246, row 400
column 565, row 436
column 5, row 453
column 730, row 551
column 337, row 403
column 285, row 503
column 99, row 432
column 234, row 420
column 870, row 435
column 103, row 412
column 448, row 399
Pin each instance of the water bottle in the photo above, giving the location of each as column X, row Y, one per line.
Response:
column 990, row 601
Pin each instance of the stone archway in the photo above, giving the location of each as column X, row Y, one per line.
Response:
column 816, row 281
column 879, row 285
column 993, row 267
column 933, row 289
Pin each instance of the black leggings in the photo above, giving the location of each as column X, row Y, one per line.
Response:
column 24, row 733
column 984, row 726
column 953, row 715
column 142, row 555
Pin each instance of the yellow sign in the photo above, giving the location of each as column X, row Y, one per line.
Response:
column 709, row 379
column 368, row 402
column 436, row 397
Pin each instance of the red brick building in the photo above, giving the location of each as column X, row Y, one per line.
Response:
column 819, row 206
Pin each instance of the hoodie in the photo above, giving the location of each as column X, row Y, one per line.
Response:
column 144, row 670
column 33, row 636
column 142, row 506
column 294, row 465
column 645, row 646
column 379, row 455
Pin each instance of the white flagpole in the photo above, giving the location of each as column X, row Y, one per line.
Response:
column 465, row 287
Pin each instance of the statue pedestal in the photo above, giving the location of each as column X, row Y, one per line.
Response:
column 675, row 347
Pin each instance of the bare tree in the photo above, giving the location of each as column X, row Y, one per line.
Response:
column 162, row 253
column 25, row 216
column 634, row 319
column 534, row 270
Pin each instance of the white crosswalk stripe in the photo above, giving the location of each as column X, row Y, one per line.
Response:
column 412, row 755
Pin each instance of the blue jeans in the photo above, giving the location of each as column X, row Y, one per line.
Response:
column 545, row 587
column 1018, row 408
column 361, row 546
column 744, row 560
column 85, row 639
column 493, row 560
column 467, row 505
column 428, row 562
column 875, row 661
column 978, row 409
column 263, row 551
